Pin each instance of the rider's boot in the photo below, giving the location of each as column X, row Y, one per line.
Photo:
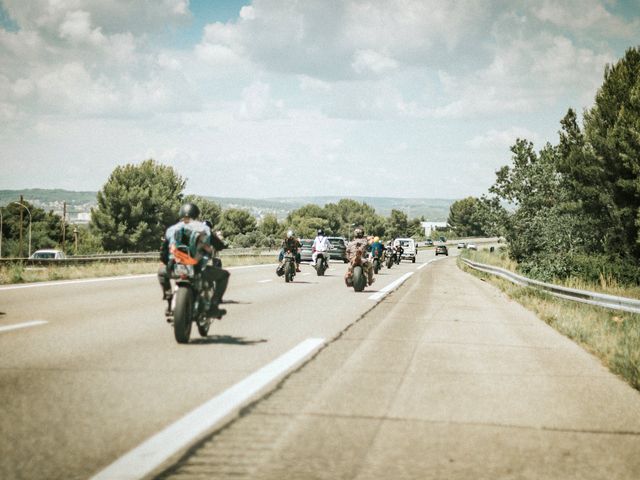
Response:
column 215, row 310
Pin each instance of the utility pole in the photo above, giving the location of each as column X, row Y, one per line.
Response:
column 64, row 229
column 20, row 243
column 75, row 236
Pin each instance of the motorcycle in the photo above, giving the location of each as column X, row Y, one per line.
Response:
column 191, row 297
column 287, row 267
column 398, row 255
column 321, row 264
column 358, row 277
column 376, row 264
column 390, row 257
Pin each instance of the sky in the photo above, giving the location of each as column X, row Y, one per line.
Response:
column 274, row 98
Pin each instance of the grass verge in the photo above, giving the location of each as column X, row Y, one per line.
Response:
column 18, row 273
column 613, row 336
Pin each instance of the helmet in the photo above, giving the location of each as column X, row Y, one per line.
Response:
column 376, row 239
column 289, row 233
column 208, row 223
column 189, row 210
column 358, row 233
column 320, row 231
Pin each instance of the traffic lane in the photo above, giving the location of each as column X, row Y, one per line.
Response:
column 78, row 393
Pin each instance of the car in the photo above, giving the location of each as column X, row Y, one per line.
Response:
column 305, row 250
column 428, row 242
column 462, row 245
column 442, row 250
column 338, row 250
column 472, row 246
column 409, row 247
column 48, row 254
column 443, row 239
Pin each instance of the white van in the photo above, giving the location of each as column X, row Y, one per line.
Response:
column 409, row 247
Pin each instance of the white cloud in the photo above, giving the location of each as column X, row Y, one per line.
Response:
column 257, row 103
column 371, row 61
column 585, row 15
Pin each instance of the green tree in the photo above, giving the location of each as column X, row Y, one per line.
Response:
column 397, row 224
column 46, row 229
column 136, row 205
column 611, row 130
column 235, row 221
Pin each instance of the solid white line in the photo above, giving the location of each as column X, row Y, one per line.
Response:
column 266, row 281
column 109, row 279
column 178, row 436
column 427, row 263
column 23, row 325
column 390, row 287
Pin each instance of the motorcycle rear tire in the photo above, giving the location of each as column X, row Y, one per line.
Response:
column 321, row 266
column 289, row 272
column 376, row 266
column 182, row 315
column 389, row 262
column 358, row 278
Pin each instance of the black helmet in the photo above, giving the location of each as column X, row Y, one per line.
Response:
column 320, row 231
column 358, row 232
column 208, row 223
column 190, row 210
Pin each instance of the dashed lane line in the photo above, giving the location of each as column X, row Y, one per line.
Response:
column 179, row 436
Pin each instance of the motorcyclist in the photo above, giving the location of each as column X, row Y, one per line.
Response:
column 321, row 245
column 377, row 248
column 220, row 276
column 202, row 251
column 398, row 251
column 358, row 248
column 292, row 244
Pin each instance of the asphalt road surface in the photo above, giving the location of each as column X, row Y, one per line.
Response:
column 443, row 378
column 95, row 370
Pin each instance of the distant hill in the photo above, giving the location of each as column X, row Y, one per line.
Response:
column 433, row 209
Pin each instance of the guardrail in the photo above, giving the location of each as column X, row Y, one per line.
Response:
column 584, row 296
column 125, row 257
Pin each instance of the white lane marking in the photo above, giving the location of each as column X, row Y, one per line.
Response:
column 306, row 274
column 385, row 290
column 16, row 326
column 427, row 263
column 266, row 281
column 178, row 436
column 110, row 279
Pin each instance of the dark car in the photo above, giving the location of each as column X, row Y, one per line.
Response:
column 338, row 250
column 305, row 250
column 428, row 242
column 442, row 250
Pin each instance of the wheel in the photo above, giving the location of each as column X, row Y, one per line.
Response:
column 413, row 260
column 289, row 272
column 182, row 315
column 376, row 267
column 389, row 262
column 359, row 280
column 321, row 266
column 345, row 260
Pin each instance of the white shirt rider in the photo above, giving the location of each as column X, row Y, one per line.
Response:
column 322, row 245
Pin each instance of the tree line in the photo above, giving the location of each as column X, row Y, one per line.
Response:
column 572, row 209
column 138, row 202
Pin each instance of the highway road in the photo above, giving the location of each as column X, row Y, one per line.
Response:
column 94, row 369
column 443, row 377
